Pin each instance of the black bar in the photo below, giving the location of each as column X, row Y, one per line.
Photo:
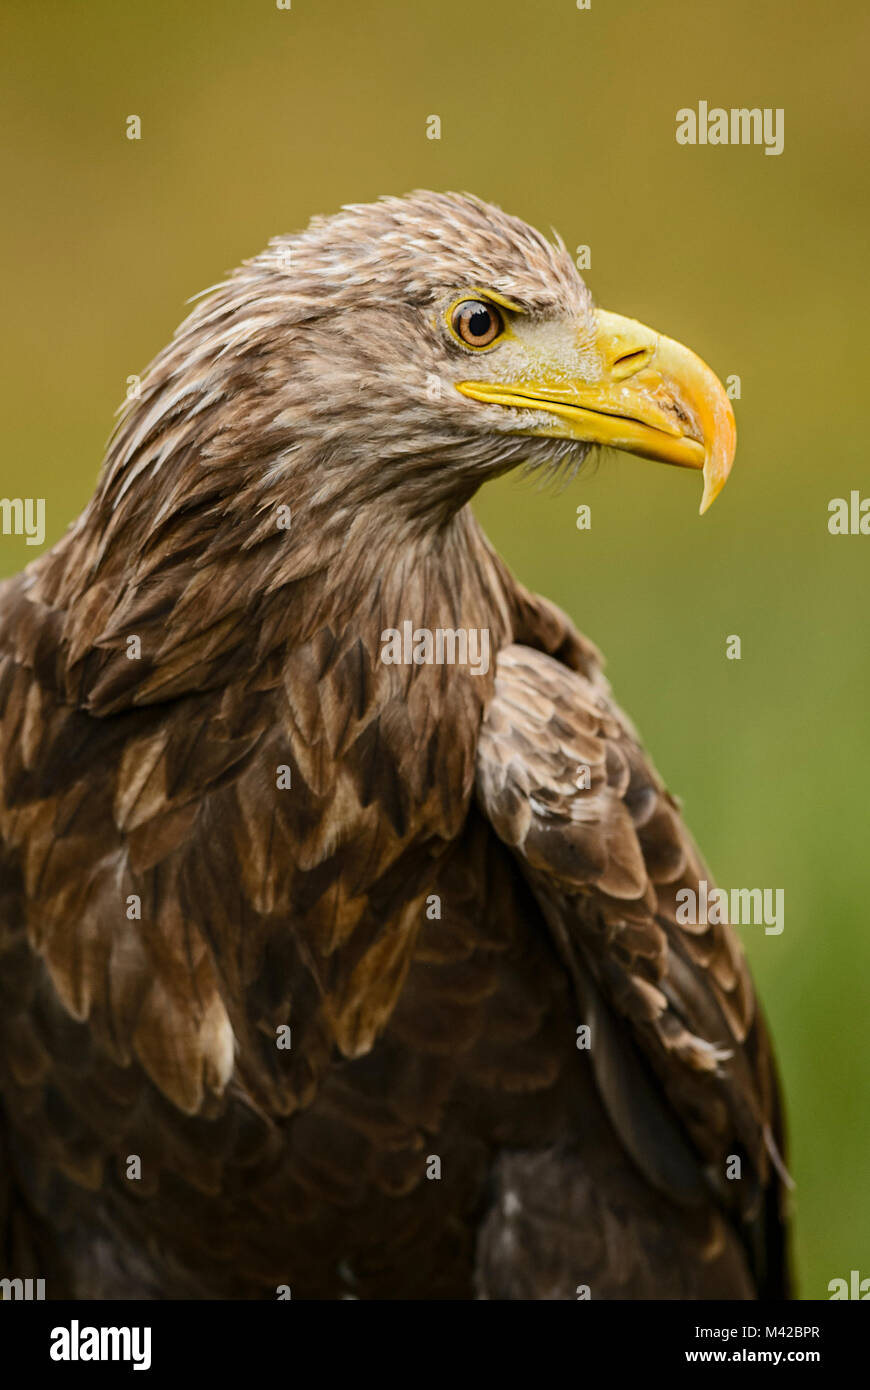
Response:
column 238, row 1340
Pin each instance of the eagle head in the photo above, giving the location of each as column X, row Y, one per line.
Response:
column 408, row 350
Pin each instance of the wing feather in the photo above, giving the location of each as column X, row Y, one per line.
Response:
column 678, row 1048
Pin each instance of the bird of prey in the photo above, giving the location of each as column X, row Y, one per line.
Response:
column 334, row 963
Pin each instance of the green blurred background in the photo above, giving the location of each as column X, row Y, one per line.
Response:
column 253, row 119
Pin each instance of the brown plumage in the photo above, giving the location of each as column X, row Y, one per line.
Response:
column 167, row 905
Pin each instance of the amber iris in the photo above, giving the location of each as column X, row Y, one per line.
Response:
column 476, row 323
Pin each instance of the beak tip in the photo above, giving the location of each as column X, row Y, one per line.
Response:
column 712, row 488
column 714, row 482
column 719, row 460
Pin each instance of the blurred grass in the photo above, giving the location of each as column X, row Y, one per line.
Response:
column 254, row 119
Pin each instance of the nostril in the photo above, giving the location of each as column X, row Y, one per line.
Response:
column 630, row 362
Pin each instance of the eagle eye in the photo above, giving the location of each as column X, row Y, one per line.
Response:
column 476, row 323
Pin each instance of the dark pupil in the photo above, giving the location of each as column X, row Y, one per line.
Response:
column 479, row 322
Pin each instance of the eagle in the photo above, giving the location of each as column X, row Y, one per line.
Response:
column 335, row 964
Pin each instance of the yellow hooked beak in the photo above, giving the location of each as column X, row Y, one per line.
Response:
column 640, row 392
